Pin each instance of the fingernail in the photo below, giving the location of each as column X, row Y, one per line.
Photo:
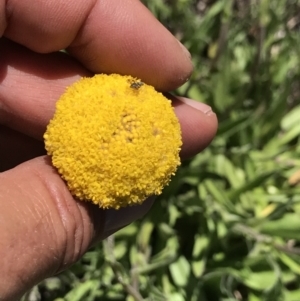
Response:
column 185, row 51
column 116, row 219
column 206, row 109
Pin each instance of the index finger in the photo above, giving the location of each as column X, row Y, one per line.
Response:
column 108, row 36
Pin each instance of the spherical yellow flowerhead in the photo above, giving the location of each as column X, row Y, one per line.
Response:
column 114, row 140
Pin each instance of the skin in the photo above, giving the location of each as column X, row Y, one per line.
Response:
column 43, row 230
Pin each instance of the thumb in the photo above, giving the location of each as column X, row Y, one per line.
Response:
column 42, row 229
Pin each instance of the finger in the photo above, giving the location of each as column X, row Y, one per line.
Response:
column 29, row 105
column 109, row 36
column 43, row 229
column 30, row 85
column 17, row 148
column 198, row 123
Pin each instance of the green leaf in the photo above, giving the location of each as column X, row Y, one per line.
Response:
column 226, row 168
column 291, row 134
column 291, row 119
column 293, row 295
column 257, row 181
column 81, row 290
column 289, row 262
column 261, row 281
column 198, row 267
column 120, row 249
column 144, row 235
column 180, row 271
column 200, row 244
column 218, row 194
column 287, row 227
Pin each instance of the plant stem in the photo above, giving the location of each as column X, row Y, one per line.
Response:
column 109, row 246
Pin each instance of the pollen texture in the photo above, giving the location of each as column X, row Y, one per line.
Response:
column 114, row 140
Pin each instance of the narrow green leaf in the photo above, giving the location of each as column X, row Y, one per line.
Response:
column 289, row 262
column 291, row 119
column 251, row 184
column 144, row 235
column 286, row 227
column 293, row 133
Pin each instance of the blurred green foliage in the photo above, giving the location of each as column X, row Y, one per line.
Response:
column 228, row 226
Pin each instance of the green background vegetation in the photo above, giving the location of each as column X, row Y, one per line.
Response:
column 228, row 226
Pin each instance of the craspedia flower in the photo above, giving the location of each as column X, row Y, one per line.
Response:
column 114, row 140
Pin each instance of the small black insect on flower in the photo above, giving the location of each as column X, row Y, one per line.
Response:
column 136, row 85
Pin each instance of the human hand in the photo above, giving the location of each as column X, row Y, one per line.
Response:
column 43, row 230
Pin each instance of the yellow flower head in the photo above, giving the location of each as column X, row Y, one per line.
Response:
column 114, row 140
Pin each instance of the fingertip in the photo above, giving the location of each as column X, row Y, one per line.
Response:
column 109, row 36
column 125, row 38
column 199, row 125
